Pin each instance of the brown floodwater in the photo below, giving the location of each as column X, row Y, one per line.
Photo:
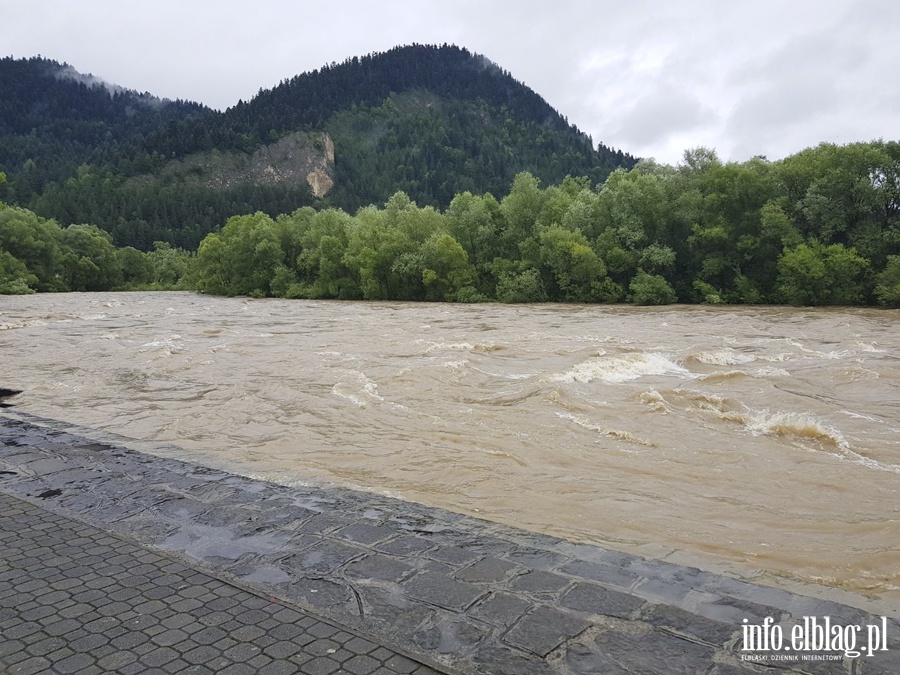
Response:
column 756, row 441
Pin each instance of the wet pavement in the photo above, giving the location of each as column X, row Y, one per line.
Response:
column 76, row 599
column 125, row 536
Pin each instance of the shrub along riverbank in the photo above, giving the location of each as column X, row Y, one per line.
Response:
column 821, row 227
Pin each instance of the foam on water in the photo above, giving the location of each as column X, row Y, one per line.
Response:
column 462, row 347
column 34, row 323
column 360, row 389
column 794, row 424
column 166, row 347
column 721, row 357
column 762, row 373
column 871, row 348
column 585, row 423
column 860, row 416
column 835, row 354
column 619, row 369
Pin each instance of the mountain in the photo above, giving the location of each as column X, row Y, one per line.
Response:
column 54, row 119
column 430, row 121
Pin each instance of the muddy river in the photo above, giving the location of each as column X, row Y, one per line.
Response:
column 762, row 442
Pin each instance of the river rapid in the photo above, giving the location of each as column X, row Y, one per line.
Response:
column 756, row 441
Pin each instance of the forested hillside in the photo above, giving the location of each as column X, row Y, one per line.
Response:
column 430, row 121
column 54, row 119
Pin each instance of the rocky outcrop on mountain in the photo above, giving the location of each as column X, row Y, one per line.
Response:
column 297, row 158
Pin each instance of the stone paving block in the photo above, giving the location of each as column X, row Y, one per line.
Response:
column 453, row 555
column 382, row 609
column 734, row 611
column 358, row 645
column 377, row 566
column 582, row 660
column 318, row 592
column 501, row 660
column 361, row 665
column 538, row 559
column 323, row 523
column 686, row 623
column 450, row 637
column 539, row 582
column 604, row 573
column 322, row 558
column 438, row 590
column 364, row 533
column 404, row 545
column 501, row 609
column 32, row 666
column 486, row 570
column 596, row 599
column 655, row 651
column 544, row 630
column 400, row 664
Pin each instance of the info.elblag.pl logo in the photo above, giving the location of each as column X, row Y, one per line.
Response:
column 814, row 638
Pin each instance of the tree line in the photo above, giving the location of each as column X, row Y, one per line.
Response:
column 821, row 227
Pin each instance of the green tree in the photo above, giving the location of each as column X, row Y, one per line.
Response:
column 170, row 266
column 651, row 289
column 36, row 242
column 383, row 249
column 477, row 223
column 576, row 273
column 321, row 267
column 887, row 289
column 445, row 268
column 137, row 269
column 526, row 286
column 243, row 258
column 814, row 274
column 520, row 209
column 15, row 279
column 5, row 191
column 214, row 271
column 89, row 259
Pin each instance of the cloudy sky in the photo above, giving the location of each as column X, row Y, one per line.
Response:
column 652, row 77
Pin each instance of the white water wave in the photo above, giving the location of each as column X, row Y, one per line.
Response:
column 722, row 357
column 626, row 436
column 619, row 369
column 836, row 354
column 360, row 390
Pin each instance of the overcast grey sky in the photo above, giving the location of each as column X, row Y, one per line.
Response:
column 651, row 77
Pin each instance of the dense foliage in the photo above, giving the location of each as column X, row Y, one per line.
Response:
column 430, row 121
column 821, row 227
column 37, row 254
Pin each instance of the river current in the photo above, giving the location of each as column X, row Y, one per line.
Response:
column 757, row 441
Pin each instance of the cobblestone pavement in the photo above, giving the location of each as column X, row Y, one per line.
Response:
column 453, row 591
column 76, row 599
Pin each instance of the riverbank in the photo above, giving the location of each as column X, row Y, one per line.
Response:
column 456, row 591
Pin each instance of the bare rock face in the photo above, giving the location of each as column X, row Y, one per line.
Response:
column 319, row 182
column 301, row 157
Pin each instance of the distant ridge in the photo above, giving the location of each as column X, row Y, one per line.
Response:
column 429, row 120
